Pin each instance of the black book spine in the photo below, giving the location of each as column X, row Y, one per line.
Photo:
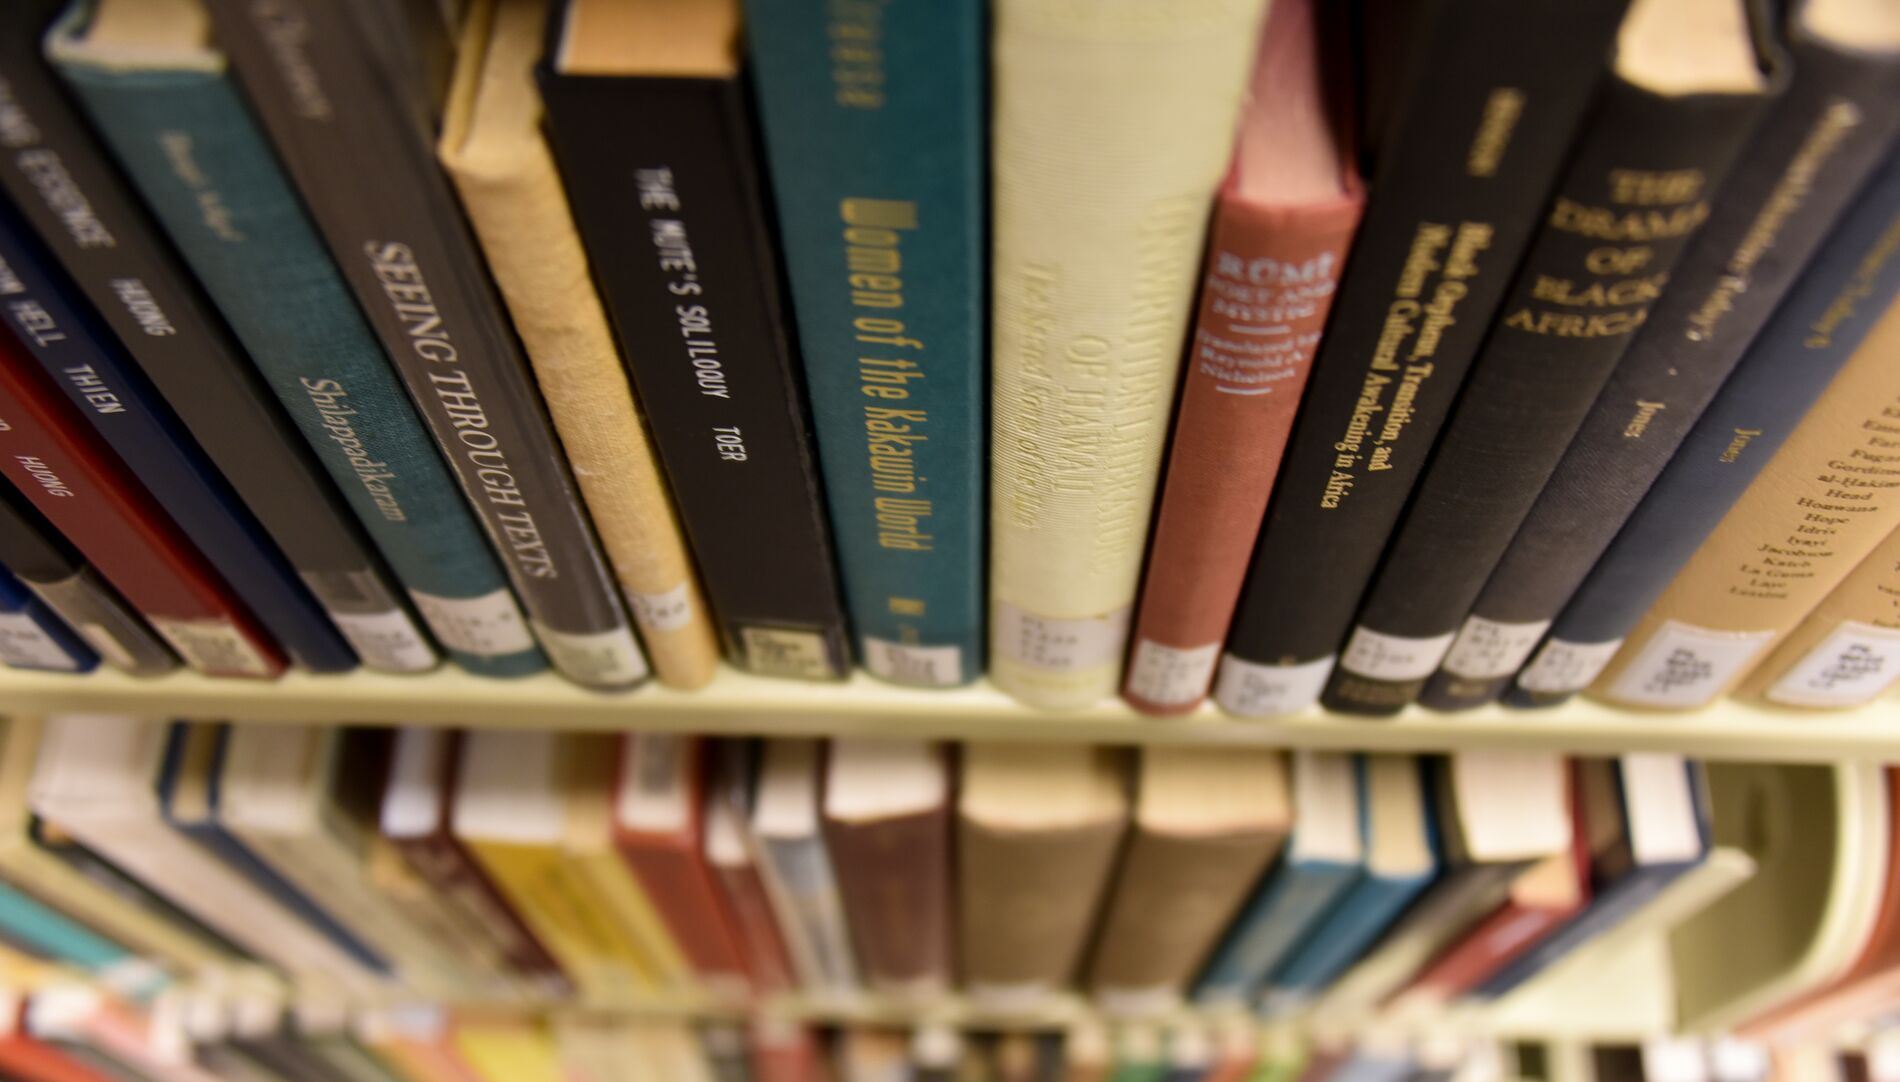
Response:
column 1769, row 222
column 672, row 215
column 346, row 116
column 35, row 552
column 1494, row 91
column 1767, row 307
column 1640, row 183
column 64, row 184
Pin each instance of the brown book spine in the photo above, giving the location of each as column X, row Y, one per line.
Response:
column 894, row 877
column 440, row 860
column 757, row 927
column 1269, row 282
column 1027, row 902
column 1847, row 652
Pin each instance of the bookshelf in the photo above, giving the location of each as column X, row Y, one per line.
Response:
column 738, row 704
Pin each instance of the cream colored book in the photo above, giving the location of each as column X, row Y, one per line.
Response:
column 96, row 776
column 1819, row 507
column 1113, row 121
column 278, row 795
column 1207, row 823
column 1818, row 835
column 1847, row 652
column 24, row 862
column 492, row 146
column 1038, row 828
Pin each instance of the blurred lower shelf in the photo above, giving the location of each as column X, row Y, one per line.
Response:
column 736, row 703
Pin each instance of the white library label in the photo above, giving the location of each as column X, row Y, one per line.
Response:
column 1251, row 690
column 490, row 625
column 387, row 641
column 1487, row 649
column 1170, row 675
column 1380, row 656
column 1685, row 666
column 905, row 663
column 1059, row 644
column 1851, row 666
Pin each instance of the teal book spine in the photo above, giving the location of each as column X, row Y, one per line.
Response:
column 183, row 134
column 1295, row 898
column 45, row 932
column 874, row 122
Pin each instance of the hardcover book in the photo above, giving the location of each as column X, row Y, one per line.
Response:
column 32, row 637
column 335, row 99
column 62, row 467
column 1206, row 823
column 1323, row 860
column 162, row 97
column 687, row 270
column 732, row 852
column 1506, row 85
column 878, row 170
column 797, row 867
column 1282, row 225
column 1820, row 507
column 1811, row 302
column 1686, row 89
column 1112, row 123
column 1842, row 654
column 1038, row 829
column 493, row 147
column 60, row 577
column 64, row 183
column 887, row 825
column 114, row 401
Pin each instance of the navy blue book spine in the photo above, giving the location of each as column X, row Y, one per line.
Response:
column 1848, row 284
column 31, row 637
column 234, row 854
column 62, row 335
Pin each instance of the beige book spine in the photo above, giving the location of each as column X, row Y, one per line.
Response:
column 1819, row 508
column 1027, row 902
column 1113, row 124
column 1847, row 652
column 515, row 201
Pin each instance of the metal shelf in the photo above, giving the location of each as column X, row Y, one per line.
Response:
column 736, row 703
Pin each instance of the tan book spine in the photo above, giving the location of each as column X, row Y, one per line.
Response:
column 507, row 180
column 1818, row 509
column 1847, row 651
column 1026, row 903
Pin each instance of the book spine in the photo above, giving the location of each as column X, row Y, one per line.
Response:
column 1269, row 927
column 1344, row 937
column 127, row 413
column 1640, row 183
column 894, row 880
column 743, row 894
column 521, row 216
column 32, row 636
column 1112, row 126
column 1616, row 904
column 1818, row 326
column 63, row 183
column 1769, row 221
column 683, row 891
column 459, row 884
column 1268, row 283
column 62, row 468
column 545, row 888
column 687, row 273
column 878, row 171
column 1820, row 507
column 798, row 872
column 401, row 242
column 1506, row 84
column 1026, row 903
column 1843, row 654
column 186, row 140
column 60, row 578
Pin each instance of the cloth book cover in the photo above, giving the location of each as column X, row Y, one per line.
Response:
column 63, row 469
column 1646, row 173
column 65, row 184
column 33, row 637
column 128, row 414
column 1508, row 84
column 878, row 171
column 1842, row 654
column 689, row 275
column 403, row 245
column 1277, row 245
column 493, row 147
column 1829, row 137
column 264, row 265
column 1111, row 125
column 60, row 577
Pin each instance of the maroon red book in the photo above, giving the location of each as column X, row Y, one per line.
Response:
column 731, row 853
column 1282, row 225
column 52, row 456
column 659, row 827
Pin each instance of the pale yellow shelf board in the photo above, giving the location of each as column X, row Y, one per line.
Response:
column 736, row 703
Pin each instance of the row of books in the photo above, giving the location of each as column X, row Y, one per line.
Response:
column 71, row 1035
column 531, row 867
column 1598, row 401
